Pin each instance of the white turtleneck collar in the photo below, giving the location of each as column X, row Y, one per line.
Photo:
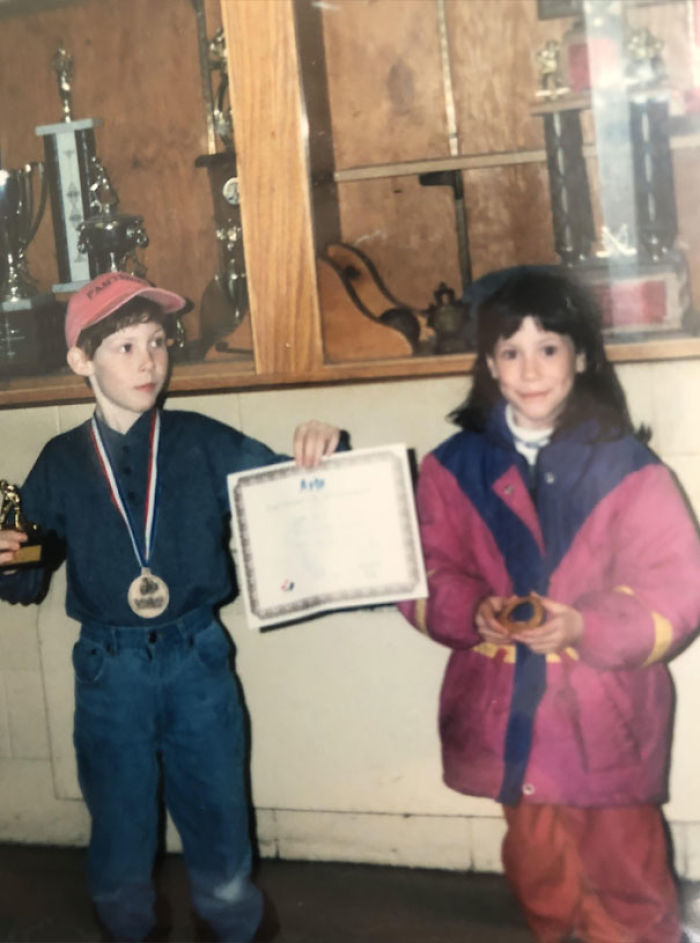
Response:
column 527, row 441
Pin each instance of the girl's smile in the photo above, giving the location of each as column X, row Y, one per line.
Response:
column 535, row 372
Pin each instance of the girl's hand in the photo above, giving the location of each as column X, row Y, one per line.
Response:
column 10, row 541
column 313, row 440
column 486, row 620
column 562, row 629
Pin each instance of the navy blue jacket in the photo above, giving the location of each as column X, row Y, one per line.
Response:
column 66, row 493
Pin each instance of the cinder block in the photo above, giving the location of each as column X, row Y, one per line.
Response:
column 678, row 834
column 676, row 386
column 19, row 641
column 29, row 811
column 692, row 851
column 637, row 382
column 487, row 840
column 27, row 715
column 399, row 840
column 5, row 749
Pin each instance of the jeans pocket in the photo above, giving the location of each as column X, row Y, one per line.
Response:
column 89, row 660
column 213, row 647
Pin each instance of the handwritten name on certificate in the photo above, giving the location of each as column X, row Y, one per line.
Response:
column 337, row 536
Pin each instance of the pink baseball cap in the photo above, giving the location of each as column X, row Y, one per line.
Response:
column 107, row 292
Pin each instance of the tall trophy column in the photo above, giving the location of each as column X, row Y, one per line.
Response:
column 572, row 214
column 69, row 147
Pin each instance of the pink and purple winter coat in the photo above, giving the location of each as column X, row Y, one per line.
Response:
column 600, row 526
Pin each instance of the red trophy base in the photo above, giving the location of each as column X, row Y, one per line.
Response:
column 641, row 299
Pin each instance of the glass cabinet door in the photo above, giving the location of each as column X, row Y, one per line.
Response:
column 448, row 139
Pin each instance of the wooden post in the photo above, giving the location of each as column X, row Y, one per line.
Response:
column 269, row 129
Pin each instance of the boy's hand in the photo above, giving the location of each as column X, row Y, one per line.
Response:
column 486, row 620
column 10, row 541
column 562, row 629
column 313, row 440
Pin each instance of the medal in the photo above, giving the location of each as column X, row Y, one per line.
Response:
column 148, row 595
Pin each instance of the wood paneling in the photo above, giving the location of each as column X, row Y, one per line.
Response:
column 384, row 81
column 492, row 54
column 510, row 217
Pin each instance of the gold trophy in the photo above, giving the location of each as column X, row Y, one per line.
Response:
column 11, row 518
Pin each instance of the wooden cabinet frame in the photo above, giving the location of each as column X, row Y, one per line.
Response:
column 274, row 180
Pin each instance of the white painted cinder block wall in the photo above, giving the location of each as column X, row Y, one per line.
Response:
column 345, row 760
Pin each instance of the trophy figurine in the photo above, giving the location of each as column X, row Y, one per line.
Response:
column 62, row 64
column 18, row 223
column 11, row 518
column 108, row 237
column 552, row 83
column 221, row 110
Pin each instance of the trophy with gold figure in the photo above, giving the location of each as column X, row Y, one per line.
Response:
column 11, row 518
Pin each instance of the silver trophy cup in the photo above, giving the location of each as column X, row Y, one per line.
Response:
column 19, row 220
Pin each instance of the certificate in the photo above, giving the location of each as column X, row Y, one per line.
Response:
column 314, row 540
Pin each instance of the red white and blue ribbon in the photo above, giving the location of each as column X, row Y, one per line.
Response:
column 115, row 490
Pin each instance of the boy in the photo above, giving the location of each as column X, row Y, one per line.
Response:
column 135, row 499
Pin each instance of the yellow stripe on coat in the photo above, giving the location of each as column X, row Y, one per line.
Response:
column 663, row 631
column 490, row 649
column 420, row 614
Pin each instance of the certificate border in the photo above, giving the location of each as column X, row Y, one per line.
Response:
column 311, row 604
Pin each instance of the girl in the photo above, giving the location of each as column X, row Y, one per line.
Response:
column 547, row 493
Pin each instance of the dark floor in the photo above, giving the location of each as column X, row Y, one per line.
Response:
column 43, row 898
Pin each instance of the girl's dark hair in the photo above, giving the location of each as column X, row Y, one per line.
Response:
column 137, row 311
column 563, row 305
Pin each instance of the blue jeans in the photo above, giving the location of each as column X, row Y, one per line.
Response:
column 141, row 694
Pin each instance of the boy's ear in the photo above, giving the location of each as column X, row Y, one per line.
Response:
column 79, row 362
column 490, row 363
column 581, row 362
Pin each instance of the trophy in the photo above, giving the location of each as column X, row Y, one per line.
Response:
column 69, row 147
column 108, row 237
column 30, row 322
column 11, row 518
column 18, row 223
column 631, row 261
column 224, row 304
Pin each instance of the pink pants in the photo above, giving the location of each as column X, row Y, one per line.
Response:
column 600, row 875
